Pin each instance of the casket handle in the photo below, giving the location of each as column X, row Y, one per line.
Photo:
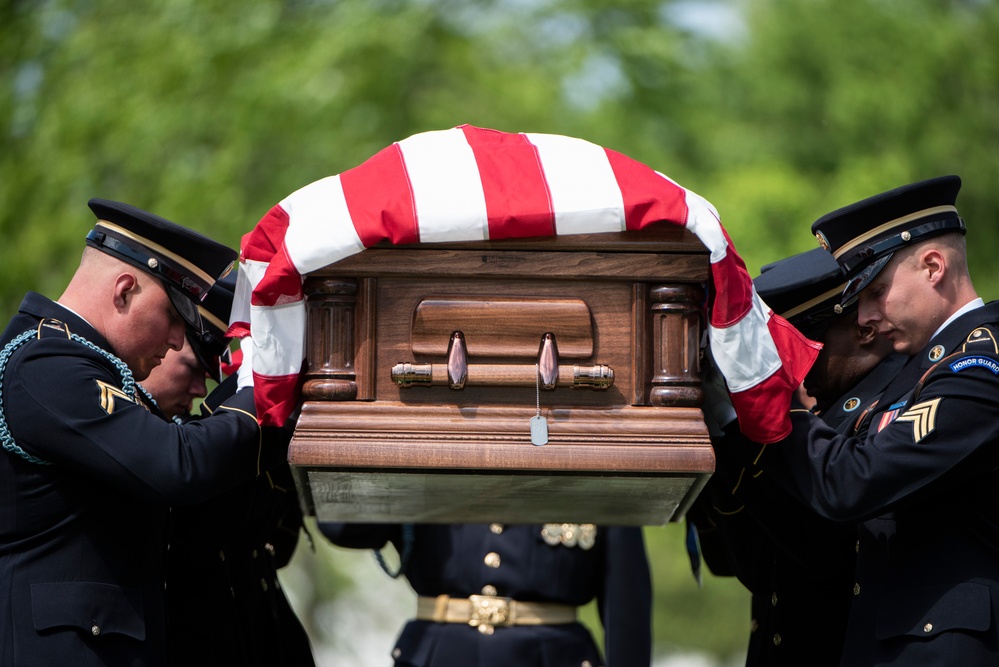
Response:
column 457, row 373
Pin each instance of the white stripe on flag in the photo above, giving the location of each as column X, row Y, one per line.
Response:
column 745, row 352
column 321, row 231
column 447, row 188
column 278, row 338
column 704, row 223
column 585, row 195
column 250, row 273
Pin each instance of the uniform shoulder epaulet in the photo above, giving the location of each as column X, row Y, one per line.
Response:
column 982, row 339
column 51, row 327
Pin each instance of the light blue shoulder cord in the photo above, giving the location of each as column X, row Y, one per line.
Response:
column 127, row 384
column 408, row 536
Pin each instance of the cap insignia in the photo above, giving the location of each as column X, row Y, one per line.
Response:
column 937, row 353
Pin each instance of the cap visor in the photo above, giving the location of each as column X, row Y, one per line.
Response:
column 857, row 284
column 187, row 308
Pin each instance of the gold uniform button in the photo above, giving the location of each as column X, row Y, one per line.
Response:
column 492, row 559
column 928, row 627
column 396, row 653
column 489, row 590
column 857, row 548
column 496, row 528
column 222, row 556
column 777, row 639
column 773, row 600
column 754, row 625
column 856, row 589
column 586, row 663
column 95, row 629
column 263, row 584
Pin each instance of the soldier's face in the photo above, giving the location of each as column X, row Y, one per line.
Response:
column 177, row 382
column 152, row 327
column 899, row 304
column 848, row 354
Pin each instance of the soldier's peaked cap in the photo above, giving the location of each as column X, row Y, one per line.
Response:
column 804, row 289
column 187, row 262
column 211, row 344
column 864, row 236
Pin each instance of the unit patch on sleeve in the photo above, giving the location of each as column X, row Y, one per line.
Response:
column 923, row 417
column 974, row 361
column 110, row 394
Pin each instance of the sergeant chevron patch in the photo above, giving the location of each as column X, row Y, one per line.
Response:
column 109, row 394
column 923, row 417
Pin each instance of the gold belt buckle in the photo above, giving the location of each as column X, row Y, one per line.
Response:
column 488, row 612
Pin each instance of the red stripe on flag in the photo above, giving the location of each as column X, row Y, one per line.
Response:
column 238, row 329
column 518, row 202
column 763, row 410
column 733, row 289
column 260, row 244
column 380, row 199
column 648, row 197
column 282, row 282
column 276, row 397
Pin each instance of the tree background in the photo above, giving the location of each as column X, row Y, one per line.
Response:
column 208, row 112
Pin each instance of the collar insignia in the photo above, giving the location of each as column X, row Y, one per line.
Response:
column 851, row 404
column 937, row 353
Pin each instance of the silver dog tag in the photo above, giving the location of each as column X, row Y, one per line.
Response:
column 539, row 430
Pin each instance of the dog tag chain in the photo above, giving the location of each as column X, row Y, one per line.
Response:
column 539, row 425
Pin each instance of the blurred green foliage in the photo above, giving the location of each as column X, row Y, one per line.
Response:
column 208, row 112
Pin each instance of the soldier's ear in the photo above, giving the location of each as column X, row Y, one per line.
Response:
column 866, row 334
column 125, row 286
column 934, row 262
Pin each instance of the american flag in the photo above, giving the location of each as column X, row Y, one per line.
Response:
column 468, row 183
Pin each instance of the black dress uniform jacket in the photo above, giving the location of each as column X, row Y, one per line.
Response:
column 225, row 604
column 798, row 565
column 923, row 478
column 86, row 477
column 452, row 560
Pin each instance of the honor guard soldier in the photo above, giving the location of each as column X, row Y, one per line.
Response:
column 494, row 595
column 225, row 604
column 87, row 471
column 798, row 565
column 922, row 473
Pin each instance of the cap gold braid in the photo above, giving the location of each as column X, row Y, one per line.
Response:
column 813, row 302
column 210, row 316
column 158, row 249
column 880, row 229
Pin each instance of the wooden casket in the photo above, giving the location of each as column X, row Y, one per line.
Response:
column 426, row 364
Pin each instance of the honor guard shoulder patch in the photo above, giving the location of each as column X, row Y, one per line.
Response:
column 923, row 417
column 109, row 395
column 974, row 361
column 981, row 339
